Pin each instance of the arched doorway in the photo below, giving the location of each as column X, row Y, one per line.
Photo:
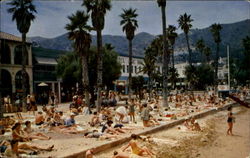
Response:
column 18, row 58
column 5, row 53
column 6, row 83
column 19, row 82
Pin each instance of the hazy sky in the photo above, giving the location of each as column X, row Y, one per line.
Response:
column 51, row 16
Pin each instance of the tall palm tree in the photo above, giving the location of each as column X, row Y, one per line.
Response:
column 200, row 46
column 185, row 24
column 215, row 30
column 98, row 9
column 148, row 67
column 207, row 52
column 162, row 4
column 23, row 13
column 129, row 25
column 1, row 103
column 79, row 33
column 172, row 35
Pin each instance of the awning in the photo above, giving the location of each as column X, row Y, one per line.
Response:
column 46, row 61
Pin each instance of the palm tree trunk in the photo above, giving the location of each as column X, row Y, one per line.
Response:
column 130, row 70
column 165, row 58
column 189, row 50
column 99, row 68
column 173, row 65
column 24, row 62
column 1, row 100
column 216, row 68
column 149, row 86
column 85, row 79
column 172, row 56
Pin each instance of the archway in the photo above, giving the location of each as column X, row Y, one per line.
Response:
column 19, row 82
column 5, row 53
column 18, row 58
column 6, row 83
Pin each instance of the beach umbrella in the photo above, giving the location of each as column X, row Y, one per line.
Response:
column 42, row 84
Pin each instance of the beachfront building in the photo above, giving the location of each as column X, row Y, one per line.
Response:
column 11, row 65
column 121, row 84
column 44, row 70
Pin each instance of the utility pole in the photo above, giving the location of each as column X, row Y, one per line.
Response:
column 228, row 67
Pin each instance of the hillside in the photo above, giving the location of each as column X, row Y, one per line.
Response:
column 231, row 34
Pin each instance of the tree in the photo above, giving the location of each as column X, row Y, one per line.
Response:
column 173, row 76
column 200, row 46
column 79, row 33
column 98, row 9
column 137, row 84
column 162, row 4
column 207, row 52
column 215, row 30
column 23, row 13
column 1, row 100
column 148, row 66
column 129, row 25
column 69, row 68
column 185, row 24
column 172, row 35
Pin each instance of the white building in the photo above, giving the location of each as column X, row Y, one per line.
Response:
column 122, row 82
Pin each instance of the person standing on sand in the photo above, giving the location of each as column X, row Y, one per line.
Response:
column 230, row 121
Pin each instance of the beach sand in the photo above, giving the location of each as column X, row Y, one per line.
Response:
column 211, row 143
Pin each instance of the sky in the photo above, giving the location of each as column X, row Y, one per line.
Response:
column 51, row 16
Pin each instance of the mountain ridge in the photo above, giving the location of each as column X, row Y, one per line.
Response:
column 232, row 34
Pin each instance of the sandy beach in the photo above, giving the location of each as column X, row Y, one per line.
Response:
column 211, row 143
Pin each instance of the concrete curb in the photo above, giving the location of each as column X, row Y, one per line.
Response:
column 150, row 130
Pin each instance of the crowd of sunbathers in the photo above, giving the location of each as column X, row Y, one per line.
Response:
column 111, row 122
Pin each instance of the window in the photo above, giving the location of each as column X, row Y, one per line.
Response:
column 127, row 69
column 135, row 69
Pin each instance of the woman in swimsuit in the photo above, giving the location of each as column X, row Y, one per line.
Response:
column 32, row 134
column 230, row 120
column 136, row 149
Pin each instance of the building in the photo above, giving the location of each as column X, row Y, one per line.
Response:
column 11, row 65
column 44, row 70
column 122, row 83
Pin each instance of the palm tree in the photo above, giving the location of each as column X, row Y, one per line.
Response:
column 129, row 25
column 200, row 46
column 23, row 13
column 172, row 35
column 173, row 76
column 148, row 66
column 215, row 30
column 207, row 52
column 98, row 9
column 185, row 24
column 79, row 33
column 162, row 4
column 1, row 103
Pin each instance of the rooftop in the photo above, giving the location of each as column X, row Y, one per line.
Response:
column 7, row 36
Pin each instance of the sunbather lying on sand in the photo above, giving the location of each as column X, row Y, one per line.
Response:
column 34, row 135
column 136, row 149
column 96, row 134
column 120, row 154
column 14, row 149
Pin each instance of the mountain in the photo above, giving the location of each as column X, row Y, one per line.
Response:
column 141, row 40
column 231, row 34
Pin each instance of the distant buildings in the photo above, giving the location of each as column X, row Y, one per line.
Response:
column 11, row 64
